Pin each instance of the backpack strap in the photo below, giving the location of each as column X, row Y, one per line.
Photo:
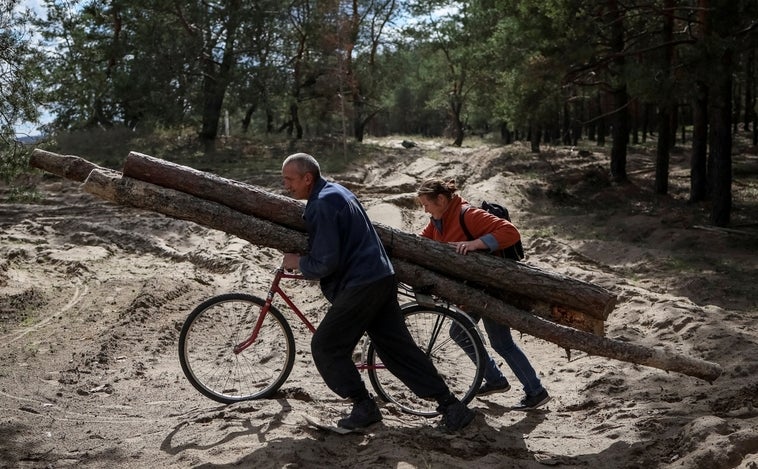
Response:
column 462, row 220
column 515, row 251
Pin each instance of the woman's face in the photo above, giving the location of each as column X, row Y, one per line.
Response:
column 434, row 206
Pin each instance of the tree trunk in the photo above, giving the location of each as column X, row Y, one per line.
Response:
column 698, row 165
column 456, row 106
column 506, row 136
column 522, row 280
column 665, row 114
column 749, row 90
column 601, row 126
column 523, row 284
column 620, row 119
column 216, row 81
column 113, row 186
column 487, row 306
column 359, row 124
column 721, row 150
column 620, row 131
column 662, row 155
column 566, row 127
column 67, row 166
column 248, row 117
column 535, row 135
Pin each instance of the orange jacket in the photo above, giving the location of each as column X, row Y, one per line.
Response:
column 479, row 223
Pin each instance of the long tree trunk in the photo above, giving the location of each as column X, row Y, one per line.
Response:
column 698, row 164
column 456, row 106
column 535, row 136
column 721, row 150
column 666, row 111
column 701, row 133
column 486, row 306
column 113, row 186
column 750, row 90
column 216, row 78
column 519, row 281
column 620, row 129
column 662, row 155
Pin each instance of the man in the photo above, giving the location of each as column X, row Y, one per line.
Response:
column 357, row 277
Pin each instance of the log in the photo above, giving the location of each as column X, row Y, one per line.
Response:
column 111, row 186
column 286, row 211
column 245, row 198
column 484, row 305
column 525, row 285
column 67, row 166
column 515, row 279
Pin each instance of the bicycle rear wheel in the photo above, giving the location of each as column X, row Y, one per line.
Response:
column 206, row 349
column 451, row 340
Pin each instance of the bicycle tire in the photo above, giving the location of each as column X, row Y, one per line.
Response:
column 430, row 327
column 206, row 349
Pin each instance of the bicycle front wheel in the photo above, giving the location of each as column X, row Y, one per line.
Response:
column 451, row 340
column 212, row 331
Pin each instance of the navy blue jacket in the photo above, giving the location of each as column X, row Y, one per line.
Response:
column 344, row 250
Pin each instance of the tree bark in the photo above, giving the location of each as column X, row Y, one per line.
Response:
column 67, row 166
column 665, row 113
column 721, row 150
column 487, row 306
column 541, row 292
column 110, row 185
column 662, row 155
column 519, row 280
column 619, row 94
column 246, row 198
column 698, row 175
column 216, row 77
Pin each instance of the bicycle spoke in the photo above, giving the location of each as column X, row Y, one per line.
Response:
column 452, row 342
column 208, row 340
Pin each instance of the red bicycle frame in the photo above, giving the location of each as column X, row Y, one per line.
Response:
column 277, row 290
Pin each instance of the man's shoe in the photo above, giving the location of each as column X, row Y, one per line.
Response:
column 456, row 416
column 532, row 402
column 364, row 413
column 489, row 388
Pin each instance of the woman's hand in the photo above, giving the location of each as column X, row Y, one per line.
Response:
column 463, row 247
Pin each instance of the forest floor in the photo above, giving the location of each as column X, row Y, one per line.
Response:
column 93, row 295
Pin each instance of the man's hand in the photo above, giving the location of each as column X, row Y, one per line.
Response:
column 291, row 261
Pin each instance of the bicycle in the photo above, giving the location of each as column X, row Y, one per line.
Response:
column 237, row 346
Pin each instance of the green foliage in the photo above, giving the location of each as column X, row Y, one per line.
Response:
column 148, row 65
column 13, row 159
column 19, row 98
column 538, row 91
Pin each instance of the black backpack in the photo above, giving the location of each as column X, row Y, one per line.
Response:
column 515, row 251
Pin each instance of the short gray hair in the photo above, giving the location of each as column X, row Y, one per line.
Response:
column 304, row 163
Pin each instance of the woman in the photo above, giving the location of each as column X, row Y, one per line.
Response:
column 489, row 233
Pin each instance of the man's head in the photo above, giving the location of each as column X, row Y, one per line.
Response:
column 300, row 172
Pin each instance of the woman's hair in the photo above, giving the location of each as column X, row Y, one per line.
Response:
column 304, row 163
column 434, row 187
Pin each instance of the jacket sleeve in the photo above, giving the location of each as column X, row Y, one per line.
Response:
column 491, row 229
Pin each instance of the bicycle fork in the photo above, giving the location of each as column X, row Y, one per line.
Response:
column 274, row 290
